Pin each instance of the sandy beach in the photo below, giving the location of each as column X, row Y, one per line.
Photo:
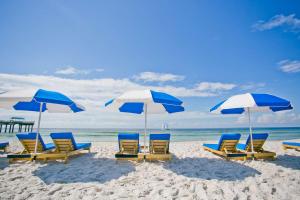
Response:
column 192, row 174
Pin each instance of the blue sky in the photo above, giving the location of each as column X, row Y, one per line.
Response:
column 200, row 51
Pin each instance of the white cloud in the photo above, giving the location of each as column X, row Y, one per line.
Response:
column 214, row 86
column 242, row 119
column 93, row 93
column 289, row 21
column 269, row 119
column 69, row 70
column 99, row 70
column 289, row 66
column 283, row 117
column 158, row 77
column 252, row 86
column 99, row 89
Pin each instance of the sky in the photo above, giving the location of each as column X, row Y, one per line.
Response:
column 199, row 51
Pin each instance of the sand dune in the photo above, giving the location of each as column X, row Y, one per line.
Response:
column 192, row 174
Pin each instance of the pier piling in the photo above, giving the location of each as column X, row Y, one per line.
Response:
column 10, row 126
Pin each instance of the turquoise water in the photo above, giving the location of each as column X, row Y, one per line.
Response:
column 286, row 133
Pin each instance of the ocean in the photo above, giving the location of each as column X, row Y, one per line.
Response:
column 203, row 134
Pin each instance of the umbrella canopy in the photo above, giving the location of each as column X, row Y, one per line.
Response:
column 239, row 104
column 40, row 101
column 249, row 102
column 156, row 102
column 145, row 101
column 30, row 101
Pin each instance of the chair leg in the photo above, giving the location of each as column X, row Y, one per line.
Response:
column 284, row 148
column 66, row 160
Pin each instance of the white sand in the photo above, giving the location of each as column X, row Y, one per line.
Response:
column 192, row 174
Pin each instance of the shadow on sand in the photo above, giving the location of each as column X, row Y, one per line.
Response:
column 287, row 161
column 210, row 168
column 83, row 169
column 3, row 162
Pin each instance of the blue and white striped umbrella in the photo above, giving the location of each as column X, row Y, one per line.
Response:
column 145, row 101
column 249, row 102
column 38, row 101
column 138, row 101
column 239, row 104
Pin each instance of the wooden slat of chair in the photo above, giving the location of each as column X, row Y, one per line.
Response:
column 286, row 146
column 257, row 145
column 29, row 146
column 229, row 145
column 159, row 146
column 129, row 146
column 63, row 145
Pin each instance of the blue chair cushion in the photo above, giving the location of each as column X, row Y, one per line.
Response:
column 224, row 136
column 297, row 144
column 83, row 145
column 128, row 136
column 31, row 136
column 228, row 136
column 212, row 146
column 69, row 136
column 3, row 144
column 241, row 146
column 257, row 136
column 49, row 146
column 161, row 136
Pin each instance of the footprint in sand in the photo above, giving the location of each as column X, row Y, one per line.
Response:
column 55, row 189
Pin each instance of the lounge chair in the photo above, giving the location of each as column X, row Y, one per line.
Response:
column 159, row 147
column 226, row 147
column 66, row 146
column 3, row 146
column 258, row 142
column 28, row 141
column 129, row 148
column 291, row 145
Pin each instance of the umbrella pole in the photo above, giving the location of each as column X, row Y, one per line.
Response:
column 250, row 129
column 145, row 131
column 38, row 128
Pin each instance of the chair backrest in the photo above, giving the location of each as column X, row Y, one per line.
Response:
column 28, row 142
column 228, row 142
column 159, row 143
column 3, row 144
column 64, row 142
column 128, row 142
column 258, row 141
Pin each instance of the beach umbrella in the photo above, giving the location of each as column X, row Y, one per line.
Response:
column 145, row 102
column 38, row 101
column 248, row 103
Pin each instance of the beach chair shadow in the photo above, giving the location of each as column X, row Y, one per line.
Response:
column 287, row 161
column 84, row 169
column 3, row 162
column 210, row 168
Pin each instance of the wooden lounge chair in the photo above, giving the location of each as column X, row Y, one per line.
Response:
column 66, row 146
column 258, row 142
column 291, row 145
column 226, row 147
column 129, row 148
column 28, row 141
column 3, row 146
column 159, row 147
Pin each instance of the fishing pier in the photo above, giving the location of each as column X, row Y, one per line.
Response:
column 22, row 125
